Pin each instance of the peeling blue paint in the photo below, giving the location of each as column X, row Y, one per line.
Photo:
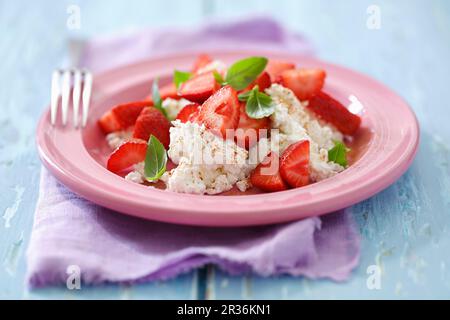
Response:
column 11, row 211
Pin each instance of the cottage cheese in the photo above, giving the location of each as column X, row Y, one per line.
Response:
column 115, row 139
column 137, row 175
column 216, row 65
column 173, row 107
column 243, row 185
column 295, row 123
column 206, row 163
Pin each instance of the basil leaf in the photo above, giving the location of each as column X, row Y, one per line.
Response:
column 218, row 77
column 155, row 93
column 242, row 73
column 179, row 77
column 155, row 160
column 244, row 96
column 157, row 102
column 338, row 154
column 259, row 105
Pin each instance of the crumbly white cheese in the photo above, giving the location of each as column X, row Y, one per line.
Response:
column 257, row 154
column 216, row 65
column 206, row 163
column 295, row 123
column 173, row 106
column 137, row 175
column 201, row 146
column 115, row 139
column 243, row 185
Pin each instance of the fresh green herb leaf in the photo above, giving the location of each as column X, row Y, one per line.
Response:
column 155, row 160
column 338, row 154
column 155, row 92
column 219, row 77
column 259, row 105
column 244, row 96
column 180, row 76
column 242, row 73
column 157, row 102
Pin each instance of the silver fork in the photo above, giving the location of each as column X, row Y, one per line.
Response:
column 62, row 81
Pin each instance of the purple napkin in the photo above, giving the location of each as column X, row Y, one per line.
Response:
column 249, row 34
column 110, row 247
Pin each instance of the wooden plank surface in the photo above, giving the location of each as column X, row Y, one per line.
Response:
column 33, row 38
column 404, row 229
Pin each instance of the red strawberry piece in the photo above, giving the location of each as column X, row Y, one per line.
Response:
column 199, row 88
column 185, row 113
column 202, row 61
column 152, row 122
column 194, row 117
column 267, row 176
column 305, row 83
column 276, row 67
column 263, row 82
column 332, row 111
column 250, row 128
column 108, row 123
column 221, row 111
column 128, row 154
column 294, row 164
column 169, row 91
column 122, row 116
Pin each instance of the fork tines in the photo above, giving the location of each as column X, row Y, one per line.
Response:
column 62, row 82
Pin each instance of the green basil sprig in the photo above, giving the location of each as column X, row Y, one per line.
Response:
column 218, row 77
column 180, row 76
column 242, row 73
column 338, row 154
column 259, row 105
column 157, row 101
column 155, row 160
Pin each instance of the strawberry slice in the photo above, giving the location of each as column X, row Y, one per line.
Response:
column 245, row 138
column 221, row 111
column 294, row 164
column 185, row 114
column 332, row 111
column 194, row 117
column 264, row 179
column 108, row 123
column 263, row 82
column 169, row 91
column 122, row 116
column 199, row 88
column 152, row 122
column 305, row 83
column 276, row 67
column 128, row 154
column 202, row 61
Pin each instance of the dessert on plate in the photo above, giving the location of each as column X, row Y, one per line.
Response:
column 257, row 123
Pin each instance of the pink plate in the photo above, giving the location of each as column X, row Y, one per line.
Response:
column 383, row 150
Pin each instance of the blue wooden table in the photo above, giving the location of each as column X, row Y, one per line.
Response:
column 405, row 229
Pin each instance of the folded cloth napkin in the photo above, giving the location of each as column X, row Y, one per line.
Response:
column 110, row 247
column 257, row 33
